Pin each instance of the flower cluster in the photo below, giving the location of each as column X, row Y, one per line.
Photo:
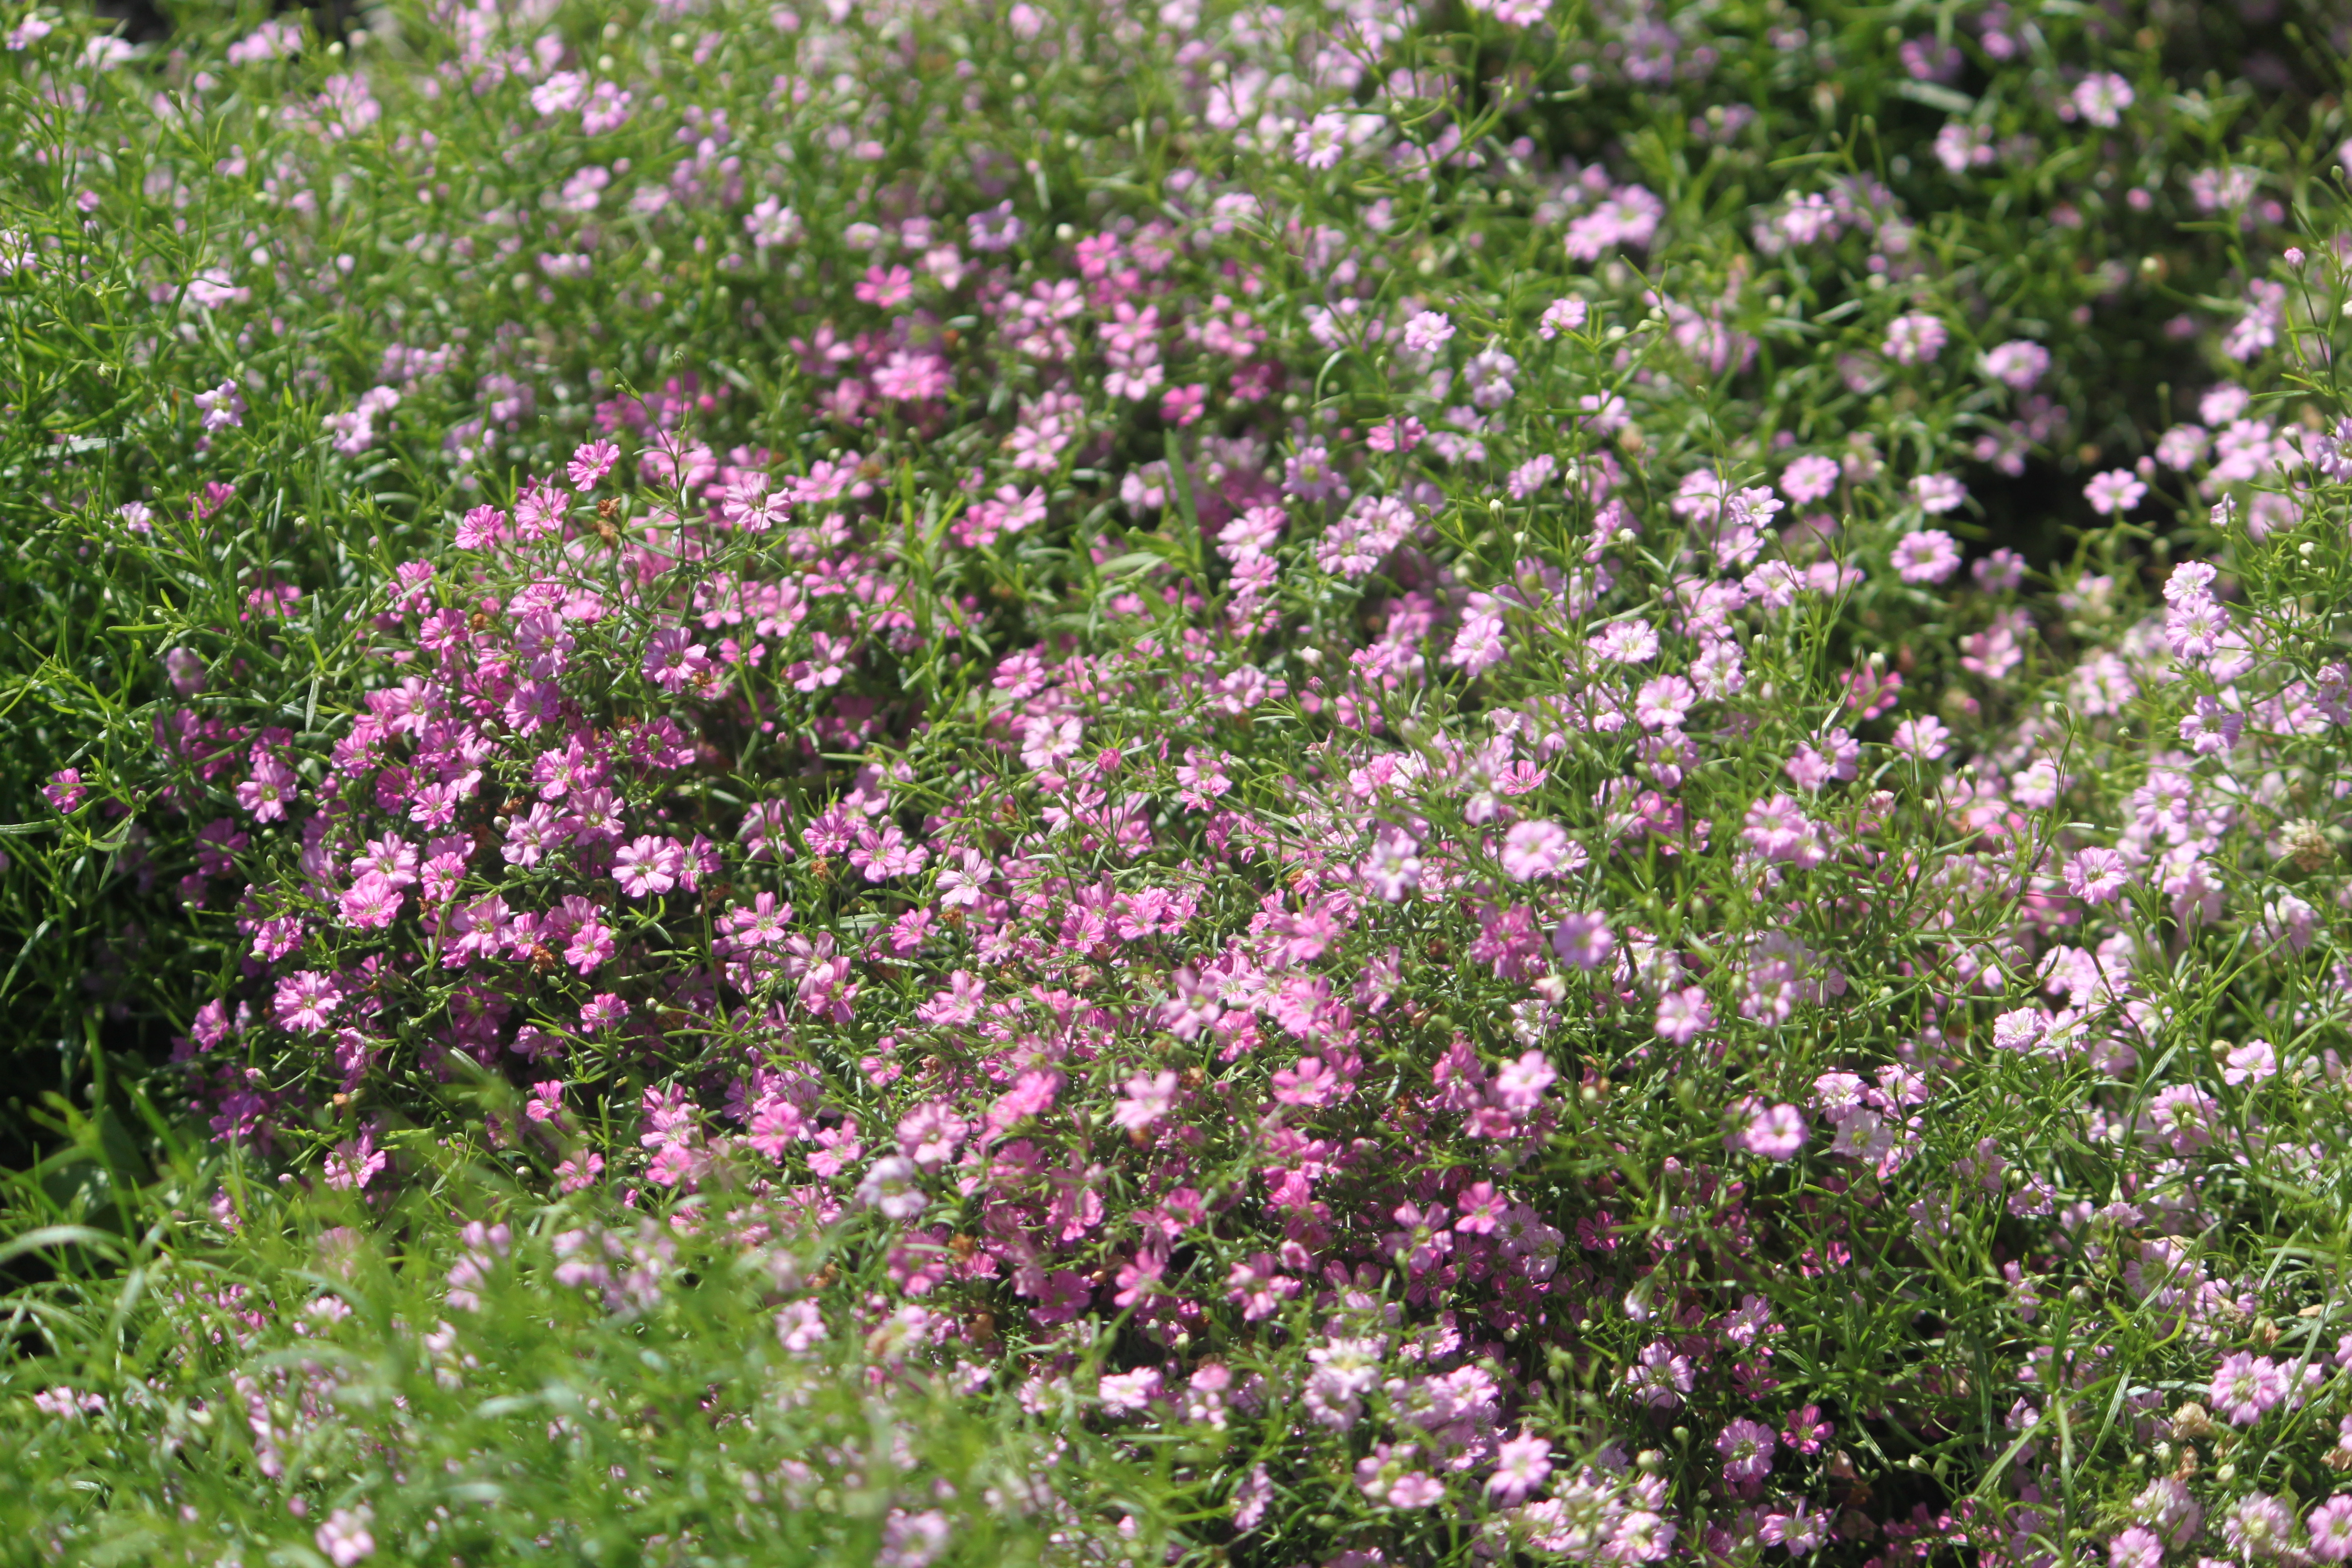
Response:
column 1304, row 787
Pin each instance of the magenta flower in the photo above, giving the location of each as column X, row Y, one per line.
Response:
column 675, row 661
column 2212, row 728
column 264, row 794
column 592, row 943
column 64, row 791
column 305, row 1001
column 591, row 462
column 647, row 866
column 1144, row 1101
column 354, row 1162
column 370, row 903
column 1519, row 1085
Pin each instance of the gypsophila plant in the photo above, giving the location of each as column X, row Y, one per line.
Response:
column 1180, row 782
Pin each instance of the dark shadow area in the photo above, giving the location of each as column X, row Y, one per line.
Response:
column 2039, row 513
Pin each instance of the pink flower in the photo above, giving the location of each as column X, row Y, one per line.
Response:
column 354, row 1162
column 912, row 1540
column 591, row 462
column 2016, row 365
column 1937, row 493
column 2212, row 728
column 480, row 528
column 647, row 866
column 1809, row 478
column 1144, row 1101
column 1747, row 1448
column 1924, row 739
column 1533, row 850
column 1561, row 316
column 2259, row 1526
column 2246, row 1385
column 1045, row 742
column 1520, row 1086
column 1427, row 332
column 371, row 902
column 591, row 944
column 1583, row 940
column 2250, row 1063
column 1182, row 405
column 1928, row 555
column 265, row 793
column 1625, row 642
column 673, row 660
column 1685, row 1014
column 1664, row 703
column 306, row 1001
column 1416, row 1489
column 344, row 1537
column 1914, row 339
column 1522, row 1465
column 930, row 1133
column 1257, row 1287
column 1126, row 1391
column 2330, row 1525
column 888, row 1185
column 1774, row 1132
column 2115, row 492
column 1659, row 1377
column 2097, row 875
column 2101, row 99
column 64, row 791
column 2136, row 1547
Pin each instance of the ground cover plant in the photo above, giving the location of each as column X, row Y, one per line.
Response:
column 1177, row 782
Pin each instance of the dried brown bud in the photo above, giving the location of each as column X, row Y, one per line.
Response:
column 2303, row 845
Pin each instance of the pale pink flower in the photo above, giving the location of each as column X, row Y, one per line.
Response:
column 1774, row 1132
column 1925, row 737
column 1582, row 939
column 2115, row 492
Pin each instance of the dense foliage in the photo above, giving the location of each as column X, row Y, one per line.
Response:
column 1182, row 783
